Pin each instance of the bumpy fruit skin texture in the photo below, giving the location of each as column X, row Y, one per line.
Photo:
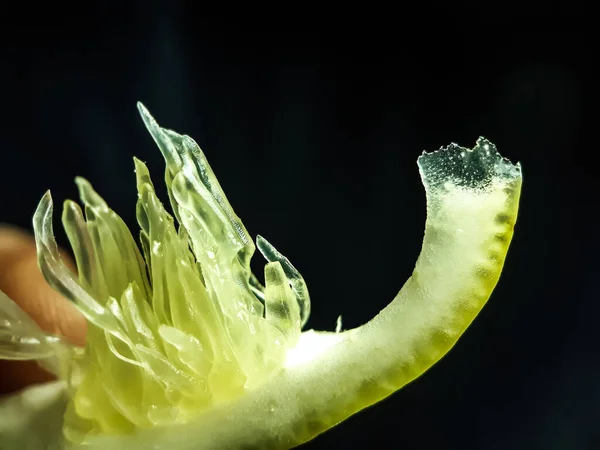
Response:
column 187, row 349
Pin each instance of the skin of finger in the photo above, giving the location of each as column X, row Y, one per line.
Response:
column 22, row 281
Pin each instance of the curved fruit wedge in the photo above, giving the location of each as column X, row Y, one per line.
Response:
column 188, row 350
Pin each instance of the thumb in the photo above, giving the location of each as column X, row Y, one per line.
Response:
column 22, row 281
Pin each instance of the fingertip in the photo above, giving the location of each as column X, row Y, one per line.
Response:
column 22, row 280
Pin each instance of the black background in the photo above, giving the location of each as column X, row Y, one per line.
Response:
column 314, row 136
